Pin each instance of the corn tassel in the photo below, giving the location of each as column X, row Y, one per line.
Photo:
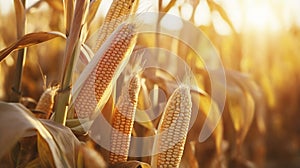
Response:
column 104, row 70
column 45, row 103
column 173, row 129
column 117, row 13
column 122, row 121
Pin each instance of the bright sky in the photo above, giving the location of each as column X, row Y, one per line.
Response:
column 259, row 15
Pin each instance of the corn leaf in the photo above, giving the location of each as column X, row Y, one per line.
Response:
column 56, row 4
column 68, row 12
column 88, row 157
column 131, row 164
column 29, row 40
column 214, row 6
column 241, row 106
column 54, row 141
column 20, row 16
column 94, row 5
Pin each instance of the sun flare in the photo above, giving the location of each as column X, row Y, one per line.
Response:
column 261, row 17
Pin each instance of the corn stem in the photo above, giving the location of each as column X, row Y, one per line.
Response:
column 71, row 54
column 20, row 17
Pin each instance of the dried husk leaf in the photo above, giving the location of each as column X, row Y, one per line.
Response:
column 17, row 122
column 88, row 157
column 25, row 151
column 20, row 17
column 56, row 4
column 207, row 113
column 29, row 40
column 241, row 108
column 36, row 163
column 248, row 84
column 94, row 5
column 68, row 13
column 188, row 158
column 46, row 158
column 131, row 164
column 214, row 6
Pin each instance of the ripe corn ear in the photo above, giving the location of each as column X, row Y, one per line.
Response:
column 173, row 129
column 45, row 103
column 117, row 13
column 107, row 64
column 122, row 121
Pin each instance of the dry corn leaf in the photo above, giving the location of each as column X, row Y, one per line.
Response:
column 78, row 126
column 143, row 119
column 29, row 40
column 17, row 122
column 161, row 78
column 241, row 108
column 131, row 164
column 20, row 17
column 25, row 151
column 65, row 140
column 218, row 132
column 94, row 5
column 44, row 151
column 56, row 4
column 257, row 94
column 214, row 6
column 68, row 12
column 77, row 22
column 153, row 77
column 88, row 157
column 209, row 114
column 18, row 119
column 85, row 57
column 169, row 6
column 189, row 159
column 36, row 163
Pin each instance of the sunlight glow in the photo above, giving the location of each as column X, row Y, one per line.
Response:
column 202, row 14
column 5, row 6
column 261, row 17
column 186, row 11
column 169, row 23
column 220, row 25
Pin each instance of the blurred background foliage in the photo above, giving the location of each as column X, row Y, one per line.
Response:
column 260, row 38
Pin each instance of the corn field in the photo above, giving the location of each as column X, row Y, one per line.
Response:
column 149, row 83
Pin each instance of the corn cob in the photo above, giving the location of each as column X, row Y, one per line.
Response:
column 173, row 128
column 99, row 77
column 122, row 121
column 45, row 103
column 117, row 13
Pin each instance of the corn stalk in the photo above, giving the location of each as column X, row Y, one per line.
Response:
column 21, row 20
column 71, row 54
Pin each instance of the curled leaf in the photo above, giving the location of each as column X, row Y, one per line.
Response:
column 29, row 40
column 54, row 140
column 131, row 164
column 88, row 157
column 56, row 4
column 241, row 105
